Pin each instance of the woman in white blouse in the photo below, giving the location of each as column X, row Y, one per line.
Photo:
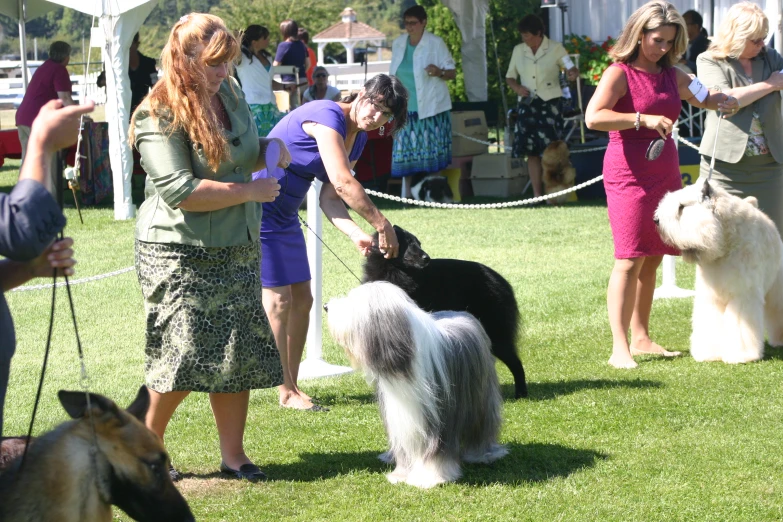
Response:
column 255, row 79
column 423, row 64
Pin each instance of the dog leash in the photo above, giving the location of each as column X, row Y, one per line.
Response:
column 84, row 381
column 277, row 210
column 714, row 145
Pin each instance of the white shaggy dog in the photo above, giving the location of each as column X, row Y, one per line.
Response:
column 435, row 378
column 739, row 274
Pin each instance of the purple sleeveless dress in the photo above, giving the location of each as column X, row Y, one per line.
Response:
column 283, row 251
column 634, row 186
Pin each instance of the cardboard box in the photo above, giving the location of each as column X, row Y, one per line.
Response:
column 468, row 123
column 498, row 187
column 498, row 166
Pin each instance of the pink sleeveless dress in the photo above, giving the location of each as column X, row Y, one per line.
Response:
column 634, row 186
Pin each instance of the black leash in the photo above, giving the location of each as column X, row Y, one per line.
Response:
column 84, row 378
column 280, row 213
column 328, row 248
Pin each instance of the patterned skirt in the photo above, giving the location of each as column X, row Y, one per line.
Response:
column 422, row 146
column 206, row 328
column 538, row 124
column 266, row 117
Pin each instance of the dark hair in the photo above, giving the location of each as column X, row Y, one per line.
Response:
column 417, row 12
column 390, row 91
column 289, row 29
column 135, row 38
column 251, row 34
column 531, row 24
column 303, row 35
column 59, row 51
column 695, row 18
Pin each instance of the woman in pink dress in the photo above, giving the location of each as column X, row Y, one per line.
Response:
column 637, row 101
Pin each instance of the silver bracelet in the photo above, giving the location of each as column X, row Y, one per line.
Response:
column 638, row 121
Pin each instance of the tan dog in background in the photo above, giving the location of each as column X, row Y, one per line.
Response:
column 558, row 174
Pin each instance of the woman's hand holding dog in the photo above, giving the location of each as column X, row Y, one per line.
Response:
column 362, row 240
column 662, row 124
column 387, row 241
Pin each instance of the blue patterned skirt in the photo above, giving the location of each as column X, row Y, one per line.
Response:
column 422, row 146
column 266, row 117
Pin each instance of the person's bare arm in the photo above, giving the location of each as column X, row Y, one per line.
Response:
column 716, row 100
column 334, row 209
column 517, row 87
column 335, row 159
column 59, row 255
column 66, row 97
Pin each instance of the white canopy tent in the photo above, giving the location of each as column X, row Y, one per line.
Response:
column 119, row 20
column 602, row 18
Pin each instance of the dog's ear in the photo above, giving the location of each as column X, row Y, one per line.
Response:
column 75, row 403
column 140, row 404
column 753, row 201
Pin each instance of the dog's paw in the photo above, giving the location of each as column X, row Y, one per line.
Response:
column 742, row 357
column 701, row 354
column 425, row 480
column 485, row 456
column 386, row 457
column 397, row 476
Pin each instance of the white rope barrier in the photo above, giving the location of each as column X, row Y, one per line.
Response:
column 487, row 143
column 484, row 206
column 74, row 282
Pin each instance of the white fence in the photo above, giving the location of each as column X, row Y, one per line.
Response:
column 352, row 76
column 12, row 90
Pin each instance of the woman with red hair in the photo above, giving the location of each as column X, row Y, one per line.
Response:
column 197, row 251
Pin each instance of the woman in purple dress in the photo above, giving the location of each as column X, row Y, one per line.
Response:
column 324, row 138
column 638, row 100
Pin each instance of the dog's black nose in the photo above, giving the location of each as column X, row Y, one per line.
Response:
column 326, row 307
column 655, row 220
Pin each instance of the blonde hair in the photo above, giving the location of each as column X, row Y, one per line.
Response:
column 181, row 98
column 744, row 21
column 650, row 17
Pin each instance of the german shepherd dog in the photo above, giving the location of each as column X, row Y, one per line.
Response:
column 65, row 478
column 438, row 285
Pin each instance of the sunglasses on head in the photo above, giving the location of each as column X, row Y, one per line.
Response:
column 321, row 75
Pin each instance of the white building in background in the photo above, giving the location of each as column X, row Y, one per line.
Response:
column 601, row 18
column 349, row 33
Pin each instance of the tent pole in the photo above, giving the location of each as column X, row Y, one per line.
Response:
column 23, row 42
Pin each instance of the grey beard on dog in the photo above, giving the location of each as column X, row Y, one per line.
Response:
column 434, row 376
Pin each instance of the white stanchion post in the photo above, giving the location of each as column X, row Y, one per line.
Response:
column 669, row 286
column 314, row 365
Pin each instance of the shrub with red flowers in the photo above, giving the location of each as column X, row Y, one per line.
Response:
column 593, row 58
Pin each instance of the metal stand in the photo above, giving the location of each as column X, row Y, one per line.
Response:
column 669, row 288
column 314, row 365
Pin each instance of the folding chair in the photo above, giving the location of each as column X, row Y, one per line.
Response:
column 279, row 70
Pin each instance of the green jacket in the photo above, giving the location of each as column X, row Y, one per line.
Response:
column 733, row 138
column 175, row 167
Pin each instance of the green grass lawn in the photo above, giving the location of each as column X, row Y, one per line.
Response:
column 670, row 440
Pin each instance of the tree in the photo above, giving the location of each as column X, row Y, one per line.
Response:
column 313, row 15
